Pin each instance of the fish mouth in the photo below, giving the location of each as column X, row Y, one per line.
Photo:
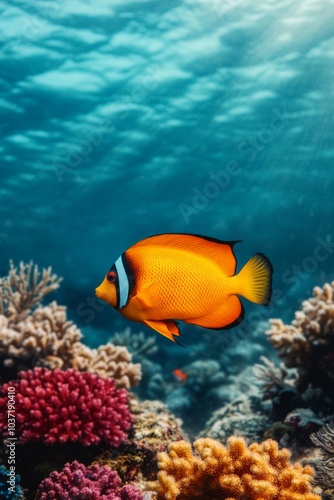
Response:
column 106, row 292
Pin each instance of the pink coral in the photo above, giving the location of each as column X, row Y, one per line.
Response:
column 60, row 406
column 77, row 482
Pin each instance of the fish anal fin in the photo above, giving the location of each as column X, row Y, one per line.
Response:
column 168, row 328
column 230, row 314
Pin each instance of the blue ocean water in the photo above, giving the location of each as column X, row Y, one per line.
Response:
column 124, row 119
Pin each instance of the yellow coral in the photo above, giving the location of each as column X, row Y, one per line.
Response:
column 232, row 472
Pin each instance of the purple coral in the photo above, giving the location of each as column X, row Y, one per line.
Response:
column 60, row 406
column 77, row 482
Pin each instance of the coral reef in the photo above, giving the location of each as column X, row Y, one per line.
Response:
column 111, row 361
column 143, row 347
column 23, row 288
column 77, row 482
column 35, row 335
column 244, row 416
column 324, row 466
column 15, row 493
column 139, row 344
column 233, row 472
column 27, row 333
column 45, row 338
column 218, row 376
column 204, row 390
column 277, row 384
column 60, row 406
column 308, row 343
column 73, row 397
column 271, row 378
column 301, row 389
column 153, row 425
column 153, row 429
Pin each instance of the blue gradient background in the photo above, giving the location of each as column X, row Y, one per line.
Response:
column 116, row 115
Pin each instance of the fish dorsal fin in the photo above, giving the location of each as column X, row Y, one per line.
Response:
column 219, row 251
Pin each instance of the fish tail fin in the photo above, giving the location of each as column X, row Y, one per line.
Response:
column 255, row 280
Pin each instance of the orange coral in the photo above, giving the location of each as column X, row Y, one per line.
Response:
column 232, row 472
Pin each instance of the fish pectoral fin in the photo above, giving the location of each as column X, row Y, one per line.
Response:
column 141, row 302
column 146, row 297
column 168, row 328
column 230, row 314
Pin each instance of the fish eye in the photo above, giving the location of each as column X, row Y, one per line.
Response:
column 111, row 277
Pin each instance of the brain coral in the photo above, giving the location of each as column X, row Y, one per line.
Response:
column 235, row 472
column 60, row 406
column 77, row 482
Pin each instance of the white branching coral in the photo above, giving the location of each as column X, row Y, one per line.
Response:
column 35, row 335
column 308, row 343
column 23, row 288
column 312, row 328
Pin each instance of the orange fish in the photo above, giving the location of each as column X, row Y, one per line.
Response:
column 184, row 277
column 180, row 374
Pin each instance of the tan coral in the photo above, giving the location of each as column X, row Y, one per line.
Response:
column 44, row 338
column 23, row 288
column 233, row 472
column 312, row 327
column 35, row 335
column 114, row 361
